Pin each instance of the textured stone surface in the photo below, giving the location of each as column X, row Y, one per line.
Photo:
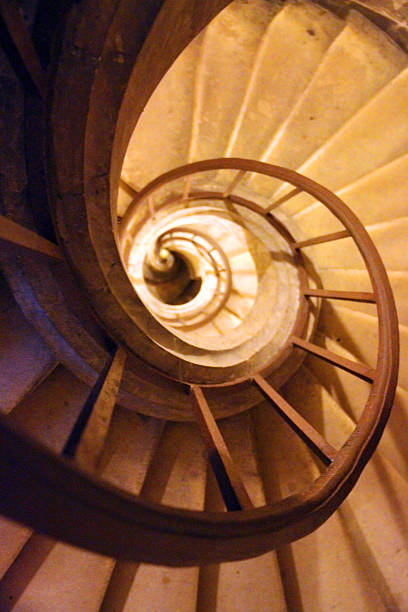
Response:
column 358, row 558
column 360, row 54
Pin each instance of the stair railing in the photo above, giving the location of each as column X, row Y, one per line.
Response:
column 61, row 498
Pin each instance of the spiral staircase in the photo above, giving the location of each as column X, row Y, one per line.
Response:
column 199, row 343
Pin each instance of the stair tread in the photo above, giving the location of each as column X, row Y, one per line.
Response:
column 383, row 119
column 229, row 48
column 68, row 579
column 163, row 589
column 128, row 449
column 12, row 539
column 344, row 253
column 330, row 576
column 389, row 182
column 257, row 580
column 361, row 54
column 376, row 515
column 358, row 332
column 167, row 116
column 351, row 394
column 20, row 343
column 291, row 50
column 327, row 554
column 178, row 479
column 51, row 422
column 358, row 280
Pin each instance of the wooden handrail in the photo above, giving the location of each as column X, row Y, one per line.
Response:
column 58, row 491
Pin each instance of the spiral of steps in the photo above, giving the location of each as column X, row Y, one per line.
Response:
column 293, row 84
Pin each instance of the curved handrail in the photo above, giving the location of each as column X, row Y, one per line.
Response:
column 53, row 496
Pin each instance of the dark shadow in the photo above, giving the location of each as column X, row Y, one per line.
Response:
column 207, row 589
column 399, row 512
column 290, row 578
column 208, row 580
column 22, row 571
column 368, row 567
column 119, row 586
column 340, row 333
column 329, row 378
column 397, row 427
column 287, row 567
column 153, row 488
column 275, row 442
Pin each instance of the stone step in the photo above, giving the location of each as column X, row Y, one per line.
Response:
column 162, row 134
column 175, row 477
column 390, row 183
column 54, row 577
column 257, row 581
column 378, row 521
column 358, row 280
column 230, row 45
column 353, row 151
column 129, row 448
column 291, row 51
column 49, row 412
column 320, row 571
column 389, row 238
column 21, row 344
column 351, row 393
column 12, row 539
column 357, row 332
column 361, row 61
